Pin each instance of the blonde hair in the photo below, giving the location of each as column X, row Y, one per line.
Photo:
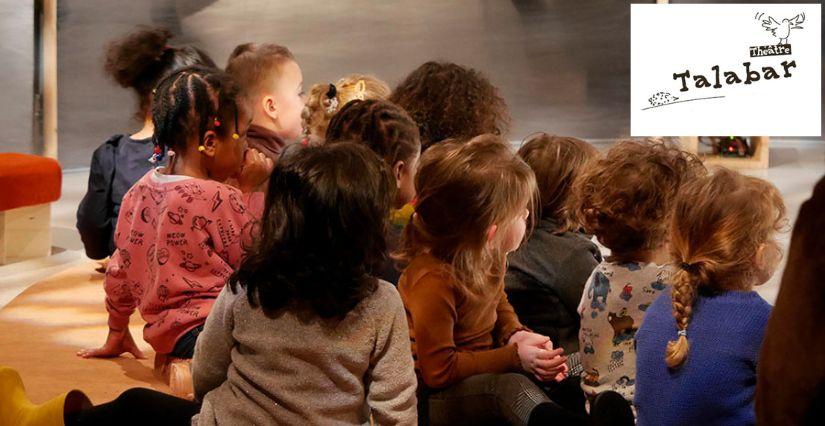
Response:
column 463, row 190
column 719, row 233
column 557, row 161
column 324, row 101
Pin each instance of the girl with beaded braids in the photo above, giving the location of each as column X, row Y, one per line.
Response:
column 698, row 347
column 181, row 232
column 137, row 61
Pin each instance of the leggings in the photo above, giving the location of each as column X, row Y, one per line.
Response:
column 487, row 399
column 138, row 406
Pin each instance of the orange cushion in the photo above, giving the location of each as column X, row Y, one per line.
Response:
column 28, row 180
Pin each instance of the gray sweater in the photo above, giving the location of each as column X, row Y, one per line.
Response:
column 545, row 280
column 295, row 368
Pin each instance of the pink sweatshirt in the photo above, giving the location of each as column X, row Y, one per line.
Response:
column 178, row 240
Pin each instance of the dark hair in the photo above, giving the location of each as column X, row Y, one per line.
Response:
column 451, row 101
column 141, row 59
column 187, row 104
column 323, row 231
column 252, row 66
column 381, row 125
column 557, row 161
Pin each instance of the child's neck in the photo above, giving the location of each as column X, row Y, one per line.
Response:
column 186, row 164
column 262, row 120
column 147, row 131
column 658, row 255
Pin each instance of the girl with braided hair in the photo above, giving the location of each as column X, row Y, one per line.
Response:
column 699, row 344
column 181, row 232
column 388, row 131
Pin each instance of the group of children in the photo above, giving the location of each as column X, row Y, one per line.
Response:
column 352, row 256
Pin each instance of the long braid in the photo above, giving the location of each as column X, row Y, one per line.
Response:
column 683, row 294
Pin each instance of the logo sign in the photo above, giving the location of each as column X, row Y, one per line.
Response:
column 726, row 69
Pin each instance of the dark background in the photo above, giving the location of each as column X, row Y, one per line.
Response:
column 563, row 66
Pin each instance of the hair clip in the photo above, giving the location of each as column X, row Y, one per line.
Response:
column 682, row 333
column 360, row 90
column 157, row 155
column 201, row 148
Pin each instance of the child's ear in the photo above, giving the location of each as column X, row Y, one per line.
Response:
column 397, row 171
column 270, row 106
column 491, row 232
column 209, row 143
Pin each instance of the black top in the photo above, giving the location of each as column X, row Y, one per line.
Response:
column 545, row 281
column 116, row 166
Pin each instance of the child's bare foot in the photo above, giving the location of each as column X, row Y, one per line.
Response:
column 117, row 342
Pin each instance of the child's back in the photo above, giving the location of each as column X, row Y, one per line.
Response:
column 179, row 240
column 614, row 302
column 699, row 344
column 300, row 369
column 718, row 383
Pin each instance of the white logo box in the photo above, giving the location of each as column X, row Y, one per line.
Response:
column 732, row 69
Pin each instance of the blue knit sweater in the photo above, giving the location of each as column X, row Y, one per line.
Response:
column 716, row 384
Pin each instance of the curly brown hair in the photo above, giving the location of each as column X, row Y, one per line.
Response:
column 141, row 59
column 448, row 100
column 557, row 161
column 626, row 198
column 718, row 247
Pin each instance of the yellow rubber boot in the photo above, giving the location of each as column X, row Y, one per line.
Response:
column 17, row 410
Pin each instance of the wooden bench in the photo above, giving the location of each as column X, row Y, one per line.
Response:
column 28, row 185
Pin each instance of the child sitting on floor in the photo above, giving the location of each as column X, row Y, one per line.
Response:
column 546, row 275
column 386, row 129
column 137, row 61
column 325, row 100
column 304, row 334
column 181, row 233
column 625, row 199
column 473, row 357
column 699, row 344
column 450, row 101
column 271, row 84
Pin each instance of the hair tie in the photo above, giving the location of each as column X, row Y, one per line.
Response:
column 682, row 333
column 332, row 101
column 690, row 267
column 157, row 155
column 332, row 91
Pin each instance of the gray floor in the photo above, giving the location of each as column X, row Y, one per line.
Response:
column 795, row 167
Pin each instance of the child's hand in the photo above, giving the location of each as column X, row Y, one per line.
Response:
column 524, row 337
column 255, row 170
column 544, row 364
column 117, row 342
